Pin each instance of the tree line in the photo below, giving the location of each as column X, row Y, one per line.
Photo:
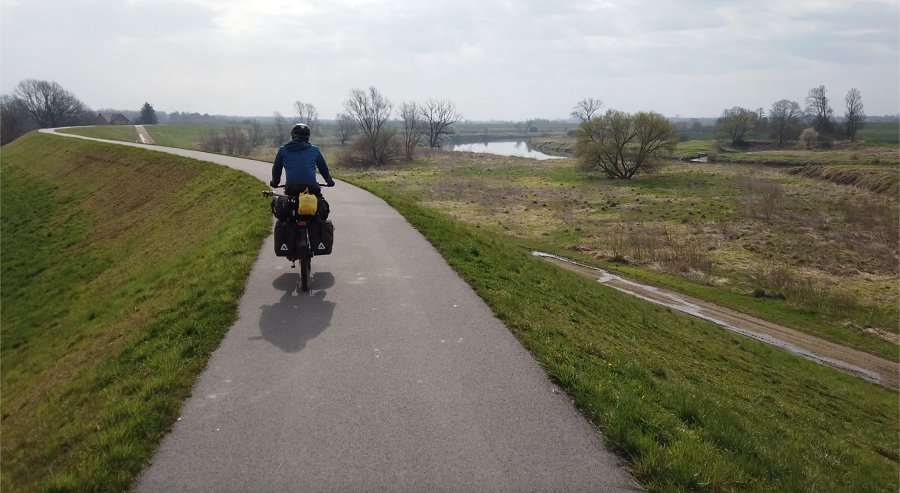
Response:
column 37, row 104
column 787, row 121
column 377, row 134
column 40, row 104
column 369, row 129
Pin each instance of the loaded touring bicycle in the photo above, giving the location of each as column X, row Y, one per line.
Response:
column 302, row 229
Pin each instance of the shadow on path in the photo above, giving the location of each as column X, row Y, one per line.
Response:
column 298, row 316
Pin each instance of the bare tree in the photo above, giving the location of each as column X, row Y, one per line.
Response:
column 819, row 112
column 855, row 115
column 256, row 135
column 735, row 123
column 809, row 135
column 584, row 110
column 346, row 127
column 236, row 142
column 211, row 141
column 759, row 124
column 439, row 116
column 280, row 130
column 523, row 128
column 307, row 114
column 413, row 127
column 48, row 103
column 622, row 144
column 376, row 144
column 14, row 120
column 785, row 120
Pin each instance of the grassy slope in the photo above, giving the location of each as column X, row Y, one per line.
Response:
column 121, row 273
column 183, row 136
column 555, row 207
column 122, row 133
column 692, row 406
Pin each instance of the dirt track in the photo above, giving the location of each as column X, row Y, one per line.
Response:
column 142, row 136
column 852, row 361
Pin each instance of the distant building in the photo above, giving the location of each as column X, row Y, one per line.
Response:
column 112, row 119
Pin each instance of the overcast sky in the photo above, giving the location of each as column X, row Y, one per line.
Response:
column 504, row 60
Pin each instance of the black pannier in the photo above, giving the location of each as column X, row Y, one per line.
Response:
column 285, row 239
column 282, row 207
column 323, row 209
column 322, row 237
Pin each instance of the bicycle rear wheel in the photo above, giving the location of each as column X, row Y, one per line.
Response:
column 305, row 264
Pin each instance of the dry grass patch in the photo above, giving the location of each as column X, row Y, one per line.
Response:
column 714, row 224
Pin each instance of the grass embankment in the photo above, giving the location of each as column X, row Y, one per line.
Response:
column 557, row 145
column 801, row 252
column 123, row 133
column 122, row 269
column 183, row 136
column 692, row 406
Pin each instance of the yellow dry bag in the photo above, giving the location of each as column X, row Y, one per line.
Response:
column 308, row 204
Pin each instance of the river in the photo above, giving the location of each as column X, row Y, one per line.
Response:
column 517, row 148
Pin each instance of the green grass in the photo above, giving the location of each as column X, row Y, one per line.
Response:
column 124, row 133
column 121, row 270
column 691, row 406
column 720, row 232
column 183, row 136
column 880, row 132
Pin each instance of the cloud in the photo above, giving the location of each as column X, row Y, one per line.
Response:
column 496, row 59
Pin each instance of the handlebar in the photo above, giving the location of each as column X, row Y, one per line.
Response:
column 272, row 193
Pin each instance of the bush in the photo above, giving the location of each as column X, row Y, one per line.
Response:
column 363, row 152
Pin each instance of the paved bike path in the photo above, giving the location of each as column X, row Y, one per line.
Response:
column 391, row 374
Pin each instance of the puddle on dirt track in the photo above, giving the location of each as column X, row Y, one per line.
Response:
column 852, row 361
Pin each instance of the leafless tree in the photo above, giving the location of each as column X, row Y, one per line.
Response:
column 236, row 142
column 785, row 119
column 14, row 120
column 48, row 103
column 809, row 135
column 584, row 110
column 346, row 127
column 523, row 128
column 307, row 114
column 735, row 123
column 413, row 127
column 819, row 112
column 622, row 144
column 212, row 141
column 256, row 135
column 855, row 115
column 280, row 129
column 439, row 116
column 376, row 144
column 759, row 124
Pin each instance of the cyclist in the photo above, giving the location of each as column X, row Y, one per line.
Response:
column 299, row 159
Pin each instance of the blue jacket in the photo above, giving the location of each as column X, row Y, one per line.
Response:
column 299, row 159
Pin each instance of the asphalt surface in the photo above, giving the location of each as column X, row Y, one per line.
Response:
column 390, row 374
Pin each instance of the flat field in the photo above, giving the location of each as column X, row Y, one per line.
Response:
column 689, row 405
column 880, row 133
column 806, row 253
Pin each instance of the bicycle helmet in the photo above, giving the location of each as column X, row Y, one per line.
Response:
column 300, row 130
